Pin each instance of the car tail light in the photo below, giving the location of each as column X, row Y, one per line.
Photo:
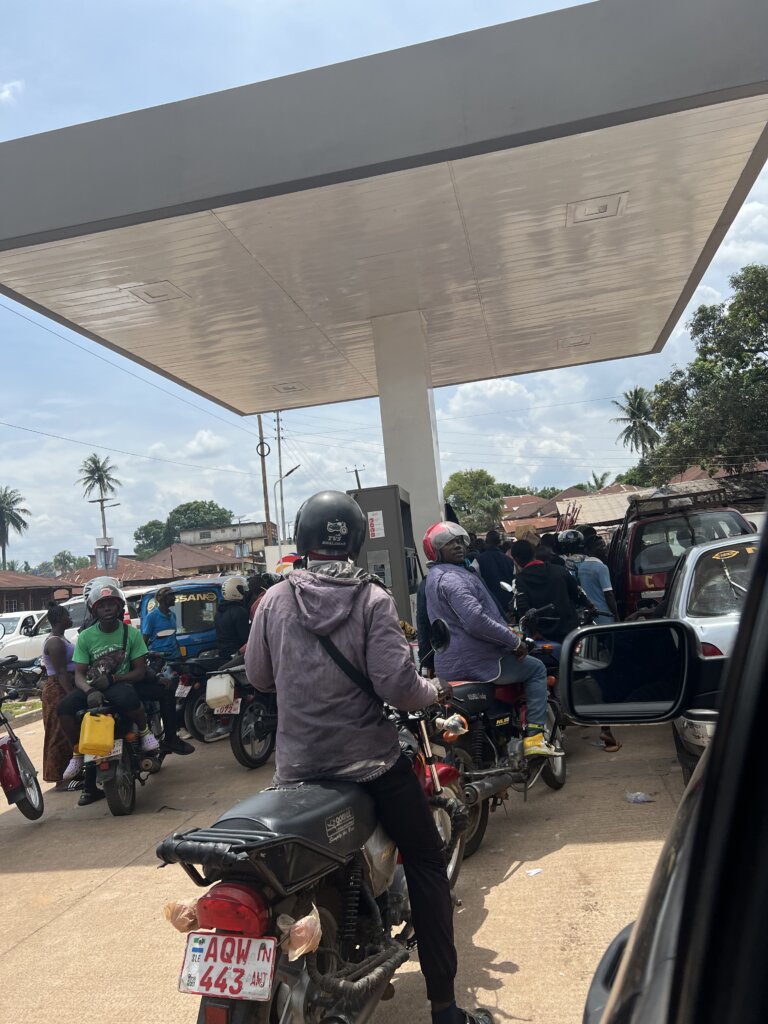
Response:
column 229, row 907
column 710, row 651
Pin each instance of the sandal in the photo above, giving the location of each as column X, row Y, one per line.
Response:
column 610, row 744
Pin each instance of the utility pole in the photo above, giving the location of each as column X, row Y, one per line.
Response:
column 356, row 471
column 280, row 477
column 262, row 450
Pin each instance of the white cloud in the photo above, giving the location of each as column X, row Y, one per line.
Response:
column 205, row 442
column 10, row 90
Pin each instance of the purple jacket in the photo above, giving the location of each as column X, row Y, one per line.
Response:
column 327, row 727
column 479, row 635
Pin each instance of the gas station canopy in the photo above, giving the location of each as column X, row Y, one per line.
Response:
column 542, row 193
column 538, row 194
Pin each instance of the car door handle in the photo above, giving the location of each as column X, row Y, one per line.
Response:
column 605, row 975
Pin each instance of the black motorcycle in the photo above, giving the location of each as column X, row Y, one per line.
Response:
column 251, row 717
column 307, row 864
column 192, row 709
column 489, row 753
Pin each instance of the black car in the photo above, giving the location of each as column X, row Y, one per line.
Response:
column 696, row 954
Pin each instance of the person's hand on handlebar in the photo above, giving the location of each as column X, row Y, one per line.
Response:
column 444, row 692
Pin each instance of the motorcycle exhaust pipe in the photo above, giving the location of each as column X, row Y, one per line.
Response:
column 476, row 792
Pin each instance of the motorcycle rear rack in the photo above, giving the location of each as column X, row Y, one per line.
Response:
column 220, row 849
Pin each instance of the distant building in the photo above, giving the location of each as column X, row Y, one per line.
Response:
column 129, row 572
column 210, row 559
column 22, row 592
column 248, row 540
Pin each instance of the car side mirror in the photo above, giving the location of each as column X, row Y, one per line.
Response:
column 633, row 672
column 27, row 630
column 163, row 633
column 439, row 636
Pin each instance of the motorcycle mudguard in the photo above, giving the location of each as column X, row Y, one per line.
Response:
column 106, row 774
column 10, row 779
column 446, row 773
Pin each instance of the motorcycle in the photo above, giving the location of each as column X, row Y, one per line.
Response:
column 18, row 776
column 118, row 771
column 27, row 676
column 191, row 706
column 250, row 716
column 489, row 750
column 309, row 863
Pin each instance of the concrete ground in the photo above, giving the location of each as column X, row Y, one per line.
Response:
column 84, row 938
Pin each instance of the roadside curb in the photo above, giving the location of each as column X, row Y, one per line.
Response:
column 28, row 719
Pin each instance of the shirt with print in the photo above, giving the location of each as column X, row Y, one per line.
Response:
column 593, row 578
column 157, row 622
column 103, row 652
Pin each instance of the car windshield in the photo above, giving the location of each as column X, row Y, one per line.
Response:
column 659, row 543
column 720, row 580
column 9, row 624
column 195, row 612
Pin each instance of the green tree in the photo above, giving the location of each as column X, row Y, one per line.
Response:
column 598, row 481
column 637, row 417
column 12, row 518
column 476, row 498
column 27, row 567
column 150, row 538
column 636, row 476
column 712, row 413
column 194, row 514
column 98, row 474
column 82, row 562
column 13, row 565
column 64, row 561
column 44, row 569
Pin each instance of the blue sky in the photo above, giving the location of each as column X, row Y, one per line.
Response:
column 61, row 64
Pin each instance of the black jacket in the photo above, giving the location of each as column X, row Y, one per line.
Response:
column 496, row 568
column 541, row 583
column 232, row 627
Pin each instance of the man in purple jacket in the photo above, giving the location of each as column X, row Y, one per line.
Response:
column 480, row 638
column 329, row 726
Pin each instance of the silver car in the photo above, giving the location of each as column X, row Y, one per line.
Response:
column 707, row 589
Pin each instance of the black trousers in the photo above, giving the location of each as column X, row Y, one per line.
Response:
column 126, row 698
column 166, row 698
column 407, row 818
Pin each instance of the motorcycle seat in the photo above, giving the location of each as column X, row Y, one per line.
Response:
column 12, row 661
column 338, row 815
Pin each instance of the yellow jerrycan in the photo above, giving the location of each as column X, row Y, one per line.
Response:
column 97, row 734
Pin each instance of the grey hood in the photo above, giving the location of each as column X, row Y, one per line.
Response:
column 325, row 598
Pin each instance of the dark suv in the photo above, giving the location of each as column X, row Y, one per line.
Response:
column 658, row 529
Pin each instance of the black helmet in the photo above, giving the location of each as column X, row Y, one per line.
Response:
column 330, row 523
column 570, row 542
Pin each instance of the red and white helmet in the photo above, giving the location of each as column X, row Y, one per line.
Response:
column 98, row 589
column 438, row 535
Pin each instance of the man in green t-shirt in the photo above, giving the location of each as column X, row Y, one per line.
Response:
column 109, row 658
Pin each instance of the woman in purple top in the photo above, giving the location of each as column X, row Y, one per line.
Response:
column 57, row 659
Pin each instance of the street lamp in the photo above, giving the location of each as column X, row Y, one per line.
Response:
column 279, row 538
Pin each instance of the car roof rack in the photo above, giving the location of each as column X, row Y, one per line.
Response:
column 667, row 499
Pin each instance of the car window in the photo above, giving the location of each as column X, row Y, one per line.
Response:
column 659, row 543
column 195, row 612
column 720, row 580
column 9, row 624
column 134, row 606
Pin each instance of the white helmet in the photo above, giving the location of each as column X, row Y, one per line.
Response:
column 234, row 588
column 99, row 588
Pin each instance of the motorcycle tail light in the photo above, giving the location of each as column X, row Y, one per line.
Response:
column 230, row 907
column 216, row 1013
column 185, row 680
column 710, row 651
column 551, row 681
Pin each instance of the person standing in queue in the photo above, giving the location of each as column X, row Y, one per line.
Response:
column 159, row 627
column 317, row 641
column 60, row 670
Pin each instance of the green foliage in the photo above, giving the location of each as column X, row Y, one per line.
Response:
column 13, row 565
column 26, row 567
column 713, row 412
column 476, row 498
column 97, row 474
column 44, row 569
column 156, row 535
column 12, row 518
column 636, row 476
column 637, row 415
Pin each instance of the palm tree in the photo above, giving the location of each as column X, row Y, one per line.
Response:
column 11, row 517
column 637, row 416
column 98, row 475
column 598, row 482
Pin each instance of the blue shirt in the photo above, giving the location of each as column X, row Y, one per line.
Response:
column 155, row 623
column 594, row 579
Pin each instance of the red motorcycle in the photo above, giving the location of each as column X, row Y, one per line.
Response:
column 18, row 776
column 305, row 895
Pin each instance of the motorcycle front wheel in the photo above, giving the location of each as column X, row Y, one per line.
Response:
column 31, row 804
column 200, row 721
column 249, row 749
column 444, row 827
column 120, row 790
column 554, row 772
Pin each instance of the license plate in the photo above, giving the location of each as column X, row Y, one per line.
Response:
column 233, row 966
column 229, row 709
column 116, row 751
column 182, row 690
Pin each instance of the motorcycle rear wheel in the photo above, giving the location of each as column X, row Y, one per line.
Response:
column 120, row 790
column 249, row 750
column 31, row 804
column 200, row 720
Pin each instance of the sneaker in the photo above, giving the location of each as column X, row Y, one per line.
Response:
column 537, row 746
column 74, row 768
column 176, row 746
column 90, row 797
column 149, row 743
column 478, row 1016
